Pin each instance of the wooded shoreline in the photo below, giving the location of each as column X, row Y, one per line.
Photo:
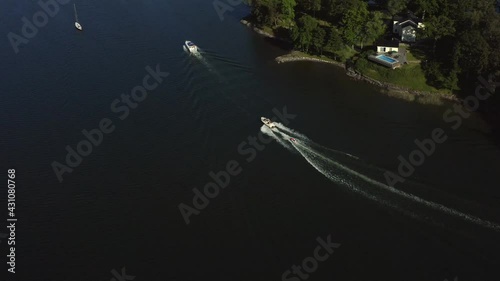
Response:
column 298, row 56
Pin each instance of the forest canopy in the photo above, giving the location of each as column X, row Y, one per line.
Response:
column 462, row 36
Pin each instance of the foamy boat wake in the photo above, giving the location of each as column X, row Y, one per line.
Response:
column 372, row 189
column 266, row 130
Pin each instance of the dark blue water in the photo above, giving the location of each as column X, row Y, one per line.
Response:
column 119, row 207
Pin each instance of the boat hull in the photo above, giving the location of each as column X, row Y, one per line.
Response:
column 268, row 122
column 191, row 47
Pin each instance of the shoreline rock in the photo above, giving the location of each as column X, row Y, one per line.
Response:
column 360, row 77
column 256, row 29
column 263, row 32
column 350, row 72
column 290, row 58
column 392, row 87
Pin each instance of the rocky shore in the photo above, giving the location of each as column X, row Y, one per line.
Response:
column 395, row 88
column 262, row 32
column 297, row 56
column 293, row 57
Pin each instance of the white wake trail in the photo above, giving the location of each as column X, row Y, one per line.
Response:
column 312, row 156
column 266, row 130
column 313, row 161
column 199, row 56
column 293, row 133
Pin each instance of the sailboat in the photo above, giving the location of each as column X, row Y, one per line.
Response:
column 77, row 24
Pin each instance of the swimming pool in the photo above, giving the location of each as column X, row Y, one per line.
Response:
column 387, row 59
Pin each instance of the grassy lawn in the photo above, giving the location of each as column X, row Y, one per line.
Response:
column 346, row 53
column 409, row 76
column 410, row 57
column 341, row 55
column 418, row 52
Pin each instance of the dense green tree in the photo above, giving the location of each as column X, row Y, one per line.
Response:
column 334, row 41
column 353, row 22
column 318, row 40
column 473, row 52
column 331, row 9
column 463, row 36
column 442, row 76
column 492, row 36
column 335, row 9
column 265, row 11
column 450, row 81
column 287, row 11
column 396, row 6
column 310, row 5
column 273, row 12
column 316, row 5
column 438, row 27
column 425, row 8
column 374, row 28
column 302, row 33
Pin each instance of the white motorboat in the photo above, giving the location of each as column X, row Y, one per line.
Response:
column 268, row 122
column 192, row 48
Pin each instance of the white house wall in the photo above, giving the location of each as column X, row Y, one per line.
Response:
column 380, row 49
column 409, row 34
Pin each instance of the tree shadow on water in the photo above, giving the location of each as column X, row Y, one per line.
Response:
column 281, row 39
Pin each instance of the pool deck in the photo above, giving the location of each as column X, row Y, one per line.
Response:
column 402, row 55
column 383, row 62
column 400, row 58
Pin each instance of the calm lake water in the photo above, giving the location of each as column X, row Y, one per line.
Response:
column 119, row 207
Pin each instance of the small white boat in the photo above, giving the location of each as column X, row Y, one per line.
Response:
column 268, row 122
column 191, row 47
column 77, row 24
